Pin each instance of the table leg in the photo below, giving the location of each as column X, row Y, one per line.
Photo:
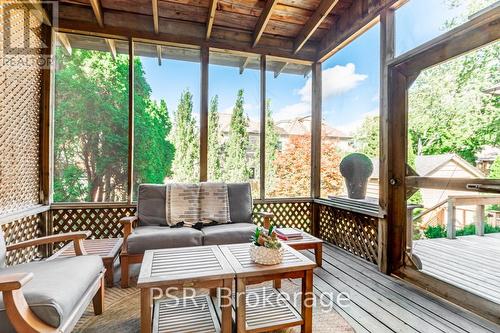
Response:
column 307, row 301
column 241, row 305
column 226, row 308
column 277, row 284
column 318, row 253
column 146, row 310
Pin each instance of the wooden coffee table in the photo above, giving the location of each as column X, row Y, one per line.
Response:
column 108, row 249
column 189, row 267
column 294, row 265
column 308, row 242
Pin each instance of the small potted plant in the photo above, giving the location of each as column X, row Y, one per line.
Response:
column 356, row 168
column 265, row 248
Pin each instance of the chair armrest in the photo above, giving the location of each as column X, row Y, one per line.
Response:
column 77, row 237
column 9, row 282
column 18, row 310
column 267, row 218
column 128, row 224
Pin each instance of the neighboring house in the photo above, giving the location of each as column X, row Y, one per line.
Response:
column 486, row 157
column 439, row 166
column 287, row 128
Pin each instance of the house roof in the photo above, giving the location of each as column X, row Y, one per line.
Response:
column 426, row 164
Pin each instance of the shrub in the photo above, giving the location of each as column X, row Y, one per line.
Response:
column 435, row 232
column 489, row 229
column 469, row 229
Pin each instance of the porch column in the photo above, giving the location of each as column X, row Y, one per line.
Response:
column 452, row 219
column 479, row 219
column 204, row 115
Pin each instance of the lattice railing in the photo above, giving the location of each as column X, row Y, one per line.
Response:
column 101, row 221
column 354, row 232
column 295, row 214
column 20, row 230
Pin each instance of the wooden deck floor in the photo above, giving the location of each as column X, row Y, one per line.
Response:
column 469, row 262
column 381, row 303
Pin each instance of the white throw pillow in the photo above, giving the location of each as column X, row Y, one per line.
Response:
column 214, row 203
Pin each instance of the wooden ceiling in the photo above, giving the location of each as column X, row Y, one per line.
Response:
column 297, row 30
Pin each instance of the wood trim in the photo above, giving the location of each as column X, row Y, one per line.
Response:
column 280, row 69
column 324, row 9
column 451, row 293
column 264, row 18
column 205, row 59
column 387, row 47
column 158, row 52
column 156, row 24
column 316, row 107
column 373, row 212
column 211, row 17
column 244, row 64
column 39, row 12
column 90, row 205
column 262, row 140
column 76, row 236
column 477, row 32
column 97, row 8
column 131, row 112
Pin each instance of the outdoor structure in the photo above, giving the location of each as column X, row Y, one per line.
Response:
column 365, row 243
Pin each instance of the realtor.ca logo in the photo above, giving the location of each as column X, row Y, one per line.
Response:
column 22, row 44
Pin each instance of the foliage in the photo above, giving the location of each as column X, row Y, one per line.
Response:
column 435, row 232
column 489, row 229
column 272, row 147
column 185, row 139
column 366, row 137
column 236, row 166
column 495, row 174
column 215, row 144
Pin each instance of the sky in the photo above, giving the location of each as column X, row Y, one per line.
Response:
column 350, row 77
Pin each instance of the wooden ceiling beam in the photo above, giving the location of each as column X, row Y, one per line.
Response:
column 211, row 17
column 280, row 69
column 156, row 20
column 78, row 19
column 324, row 9
column 158, row 52
column 63, row 39
column 244, row 64
column 97, row 8
column 112, row 47
column 264, row 18
column 353, row 23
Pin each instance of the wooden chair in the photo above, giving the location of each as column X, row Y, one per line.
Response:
column 49, row 296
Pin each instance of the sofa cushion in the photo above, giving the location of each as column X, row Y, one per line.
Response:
column 155, row 237
column 56, row 288
column 214, row 203
column 151, row 204
column 231, row 233
column 240, row 202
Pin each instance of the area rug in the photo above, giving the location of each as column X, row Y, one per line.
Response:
column 122, row 313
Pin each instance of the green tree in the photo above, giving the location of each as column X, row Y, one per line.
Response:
column 495, row 174
column 236, row 166
column 272, row 147
column 366, row 137
column 185, row 139
column 215, row 145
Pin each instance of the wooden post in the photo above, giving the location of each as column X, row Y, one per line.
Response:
column 262, row 140
column 130, row 178
column 479, row 219
column 316, row 116
column 204, row 114
column 387, row 42
column 452, row 218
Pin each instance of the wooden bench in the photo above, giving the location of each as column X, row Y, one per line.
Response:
column 108, row 249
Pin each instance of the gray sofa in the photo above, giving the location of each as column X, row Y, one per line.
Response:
column 57, row 291
column 147, row 230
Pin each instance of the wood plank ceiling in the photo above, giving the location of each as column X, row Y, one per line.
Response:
column 291, row 29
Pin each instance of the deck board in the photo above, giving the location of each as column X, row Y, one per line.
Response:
column 468, row 262
column 381, row 303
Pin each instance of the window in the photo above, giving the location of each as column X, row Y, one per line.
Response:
column 419, row 21
column 350, row 104
column 166, row 114
column 288, row 129
column 234, row 119
column 90, row 119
